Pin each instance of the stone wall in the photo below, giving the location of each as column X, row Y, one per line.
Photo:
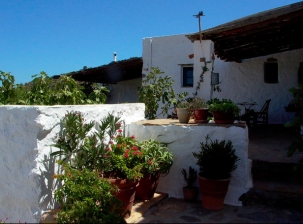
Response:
column 26, row 135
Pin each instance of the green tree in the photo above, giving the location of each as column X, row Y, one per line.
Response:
column 156, row 89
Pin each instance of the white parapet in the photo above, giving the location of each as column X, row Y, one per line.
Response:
column 26, row 136
column 184, row 139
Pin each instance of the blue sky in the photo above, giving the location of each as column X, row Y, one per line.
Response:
column 61, row 36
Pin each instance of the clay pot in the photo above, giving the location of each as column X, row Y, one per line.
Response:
column 126, row 192
column 190, row 193
column 213, row 193
column 183, row 115
column 200, row 115
column 223, row 118
column 147, row 186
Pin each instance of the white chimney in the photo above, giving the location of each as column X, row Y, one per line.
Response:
column 115, row 56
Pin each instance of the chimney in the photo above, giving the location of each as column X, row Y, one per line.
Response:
column 115, row 56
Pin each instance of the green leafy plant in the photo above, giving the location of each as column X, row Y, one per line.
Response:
column 7, row 89
column 183, row 104
column 224, row 105
column 191, row 178
column 86, row 198
column 297, row 142
column 216, row 159
column 43, row 90
column 156, row 89
column 199, row 103
column 156, row 157
column 106, row 150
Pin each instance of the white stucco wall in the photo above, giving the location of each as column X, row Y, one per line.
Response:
column 239, row 81
column 26, row 134
column 185, row 139
column 125, row 91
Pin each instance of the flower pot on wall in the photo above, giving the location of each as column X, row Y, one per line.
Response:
column 126, row 192
column 223, row 118
column 213, row 193
column 183, row 115
column 147, row 186
column 200, row 115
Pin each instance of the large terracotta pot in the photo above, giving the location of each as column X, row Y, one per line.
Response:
column 200, row 115
column 147, row 186
column 223, row 118
column 190, row 194
column 183, row 115
column 126, row 192
column 213, row 193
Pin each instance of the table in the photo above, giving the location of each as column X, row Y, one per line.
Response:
column 247, row 106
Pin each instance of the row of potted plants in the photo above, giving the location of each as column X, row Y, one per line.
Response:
column 224, row 111
column 132, row 168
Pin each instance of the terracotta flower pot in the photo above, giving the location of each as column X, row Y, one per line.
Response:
column 190, row 194
column 126, row 193
column 147, row 186
column 223, row 118
column 200, row 115
column 213, row 193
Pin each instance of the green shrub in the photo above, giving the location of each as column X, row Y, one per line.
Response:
column 86, row 198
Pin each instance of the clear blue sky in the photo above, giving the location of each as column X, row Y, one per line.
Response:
column 61, row 36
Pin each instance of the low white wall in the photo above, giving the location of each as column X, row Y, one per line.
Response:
column 185, row 139
column 26, row 134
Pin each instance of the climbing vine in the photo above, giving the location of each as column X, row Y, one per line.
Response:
column 204, row 69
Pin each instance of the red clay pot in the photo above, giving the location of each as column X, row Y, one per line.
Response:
column 126, row 193
column 190, row 194
column 213, row 193
column 147, row 186
column 200, row 115
column 223, row 118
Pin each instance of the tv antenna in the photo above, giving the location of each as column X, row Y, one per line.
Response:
column 199, row 19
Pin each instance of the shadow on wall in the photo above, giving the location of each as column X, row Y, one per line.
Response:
column 48, row 183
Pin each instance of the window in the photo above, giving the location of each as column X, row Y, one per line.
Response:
column 187, row 76
column 271, row 70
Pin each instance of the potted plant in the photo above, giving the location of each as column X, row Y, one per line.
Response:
column 190, row 192
column 224, row 111
column 84, row 198
column 157, row 160
column 216, row 161
column 183, row 111
column 200, row 109
column 105, row 150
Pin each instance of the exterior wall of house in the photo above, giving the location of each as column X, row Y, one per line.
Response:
column 168, row 53
column 245, row 82
column 125, row 91
column 26, row 136
column 240, row 82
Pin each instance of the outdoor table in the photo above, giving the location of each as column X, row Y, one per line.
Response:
column 247, row 106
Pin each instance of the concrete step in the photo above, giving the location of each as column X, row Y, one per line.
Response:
column 278, row 184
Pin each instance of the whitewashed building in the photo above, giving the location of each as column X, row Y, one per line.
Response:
column 257, row 57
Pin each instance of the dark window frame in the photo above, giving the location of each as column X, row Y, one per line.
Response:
column 185, row 79
column 271, row 71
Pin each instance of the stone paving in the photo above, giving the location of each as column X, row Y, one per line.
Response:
column 172, row 210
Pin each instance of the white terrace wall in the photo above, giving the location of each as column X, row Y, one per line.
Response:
column 26, row 133
column 184, row 139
